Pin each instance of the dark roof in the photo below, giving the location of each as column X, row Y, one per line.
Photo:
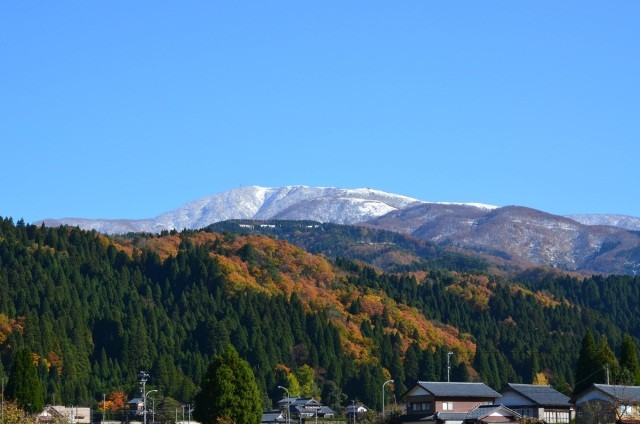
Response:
column 484, row 410
column 540, row 395
column 450, row 416
column 624, row 393
column 326, row 410
column 477, row 390
column 271, row 417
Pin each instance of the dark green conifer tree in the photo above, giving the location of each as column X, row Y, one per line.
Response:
column 228, row 391
column 587, row 367
column 24, row 386
column 629, row 366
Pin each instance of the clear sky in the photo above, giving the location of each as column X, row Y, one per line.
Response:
column 128, row 109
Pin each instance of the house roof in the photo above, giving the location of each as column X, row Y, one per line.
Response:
column 540, row 395
column 450, row 416
column 486, row 410
column 326, row 410
column 271, row 417
column 472, row 390
column 625, row 393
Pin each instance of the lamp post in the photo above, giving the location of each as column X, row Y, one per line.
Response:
column 145, row 404
column 383, row 384
column 449, row 366
column 288, row 404
column 153, row 408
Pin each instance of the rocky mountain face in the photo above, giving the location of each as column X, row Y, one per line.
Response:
column 513, row 233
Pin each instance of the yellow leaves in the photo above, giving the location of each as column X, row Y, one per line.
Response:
column 545, row 299
column 7, row 326
column 472, row 288
column 540, row 379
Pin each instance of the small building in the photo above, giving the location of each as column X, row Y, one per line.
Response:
column 444, row 402
column 136, row 405
column 71, row 415
column 272, row 418
column 540, row 402
column 303, row 407
column 608, row 403
column 357, row 409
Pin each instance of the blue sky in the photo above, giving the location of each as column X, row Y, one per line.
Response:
column 130, row 109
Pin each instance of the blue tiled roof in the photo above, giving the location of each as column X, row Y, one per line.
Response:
column 540, row 395
column 472, row 390
column 624, row 393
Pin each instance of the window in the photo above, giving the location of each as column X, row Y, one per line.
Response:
column 423, row 406
column 447, row 406
column 556, row 416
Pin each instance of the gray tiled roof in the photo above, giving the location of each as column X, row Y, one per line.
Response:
column 624, row 393
column 473, row 390
column 484, row 410
column 540, row 395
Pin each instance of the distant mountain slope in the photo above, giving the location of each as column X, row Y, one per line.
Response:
column 524, row 234
column 622, row 221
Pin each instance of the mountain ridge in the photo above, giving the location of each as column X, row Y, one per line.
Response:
column 519, row 234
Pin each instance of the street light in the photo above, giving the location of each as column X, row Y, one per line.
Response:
column 383, row 384
column 144, row 402
column 153, row 408
column 288, row 404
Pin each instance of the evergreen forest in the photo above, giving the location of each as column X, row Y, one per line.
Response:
column 94, row 310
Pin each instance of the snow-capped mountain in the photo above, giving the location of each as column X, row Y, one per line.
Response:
column 516, row 234
column 324, row 204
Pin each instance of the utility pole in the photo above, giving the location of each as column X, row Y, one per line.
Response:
column 449, row 366
column 143, row 381
column 104, row 402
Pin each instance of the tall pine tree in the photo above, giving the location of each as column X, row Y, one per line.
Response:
column 587, row 367
column 629, row 366
column 24, row 385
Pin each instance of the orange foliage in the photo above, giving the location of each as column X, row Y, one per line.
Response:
column 116, row 401
column 273, row 266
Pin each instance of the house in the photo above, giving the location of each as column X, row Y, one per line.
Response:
column 357, row 409
column 539, row 402
column 57, row 413
column 300, row 407
column 136, row 405
column 608, row 403
column 273, row 418
column 440, row 402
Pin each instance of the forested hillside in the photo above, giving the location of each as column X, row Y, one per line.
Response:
column 96, row 310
